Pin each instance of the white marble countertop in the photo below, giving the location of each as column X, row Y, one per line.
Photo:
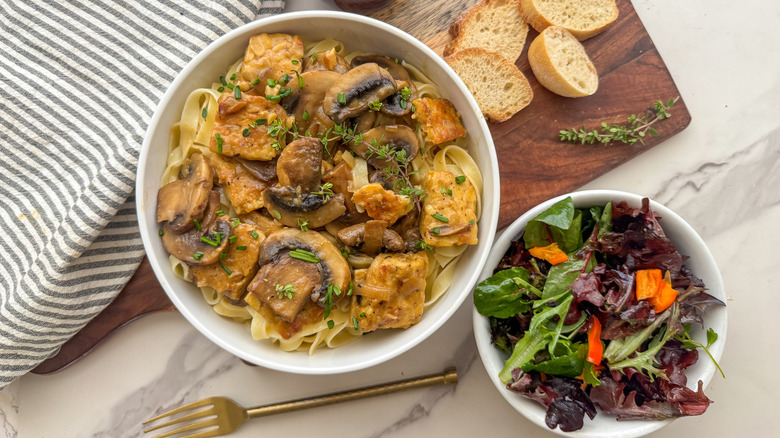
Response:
column 721, row 174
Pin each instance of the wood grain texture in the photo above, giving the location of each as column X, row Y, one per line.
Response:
column 534, row 165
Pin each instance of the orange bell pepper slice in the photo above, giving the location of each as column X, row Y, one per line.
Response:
column 595, row 347
column 648, row 283
column 551, row 253
column 666, row 295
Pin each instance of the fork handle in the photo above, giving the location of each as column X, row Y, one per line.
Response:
column 448, row 377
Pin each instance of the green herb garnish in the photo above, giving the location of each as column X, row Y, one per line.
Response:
column 635, row 130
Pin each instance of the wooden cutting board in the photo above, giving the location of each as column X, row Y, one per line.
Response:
column 534, row 164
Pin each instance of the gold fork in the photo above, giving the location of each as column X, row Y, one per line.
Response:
column 221, row 415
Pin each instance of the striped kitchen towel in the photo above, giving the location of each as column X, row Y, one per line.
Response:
column 80, row 81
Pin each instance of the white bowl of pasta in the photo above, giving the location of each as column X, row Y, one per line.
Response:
column 352, row 260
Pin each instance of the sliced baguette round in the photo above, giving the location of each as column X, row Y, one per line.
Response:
column 583, row 18
column 498, row 86
column 561, row 64
column 495, row 25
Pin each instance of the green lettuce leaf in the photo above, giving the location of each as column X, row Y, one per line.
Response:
column 501, row 295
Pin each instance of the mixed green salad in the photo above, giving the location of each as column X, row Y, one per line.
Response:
column 594, row 307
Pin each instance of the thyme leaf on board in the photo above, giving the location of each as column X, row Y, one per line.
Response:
column 636, row 128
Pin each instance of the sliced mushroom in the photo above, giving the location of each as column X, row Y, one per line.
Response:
column 309, row 279
column 263, row 170
column 364, row 122
column 355, row 235
column 381, row 177
column 181, row 201
column 324, row 61
column 398, row 137
column 295, row 199
column 300, row 164
column 304, row 102
column 292, row 208
column 399, row 103
column 409, row 229
column 200, row 247
column 351, row 94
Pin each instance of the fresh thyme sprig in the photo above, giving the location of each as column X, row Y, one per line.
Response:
column 635, row 130
column 326, row 191
column 398, row 162
column 279, row 131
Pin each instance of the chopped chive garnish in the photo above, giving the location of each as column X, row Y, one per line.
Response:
column 355, row 323
column 209, row 241
column 238, row 93
column 362, row 314
column 273, row 98
column 342, row 99
column 225, row 268
column 331, row 324
column 446, row 191
column 220, row 212
column 204, row 113
column 231, row 86
column 221, row 89
column 256, row 81
column 236, row 222
column 314, row 57
column 295, row 61
column 254, row 234
column 435, row 231
column 197, row 224
column 233, row 77
column 198, row 255
column 232, row 239
column 460, row 179
column 276, row 214
column 161, row 232
column 440, row 217
column 300, row 79
column 219, row 237
column 219, row 142
column 471, row 222
column 306, row 256
column 222, row 79
column 222, row 255
column 305, row 115
column 351, row 286
column 271, row 83
column 241, row 247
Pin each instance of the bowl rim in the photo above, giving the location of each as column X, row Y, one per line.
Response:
column 493, row 192
column 530, row 409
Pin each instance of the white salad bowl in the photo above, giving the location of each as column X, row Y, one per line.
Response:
column 701, row 263
column 359, row 34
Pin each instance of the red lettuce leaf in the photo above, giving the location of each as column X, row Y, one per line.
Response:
column 631, row 402
column 566, row 402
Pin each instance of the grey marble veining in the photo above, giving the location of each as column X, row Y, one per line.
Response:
column 718, row 195
column 9, row 411
column 191, row 365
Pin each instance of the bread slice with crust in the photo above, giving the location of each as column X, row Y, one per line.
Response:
column 498, row 86
column 583, row 18
column 561, row 65
column 495, row 25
